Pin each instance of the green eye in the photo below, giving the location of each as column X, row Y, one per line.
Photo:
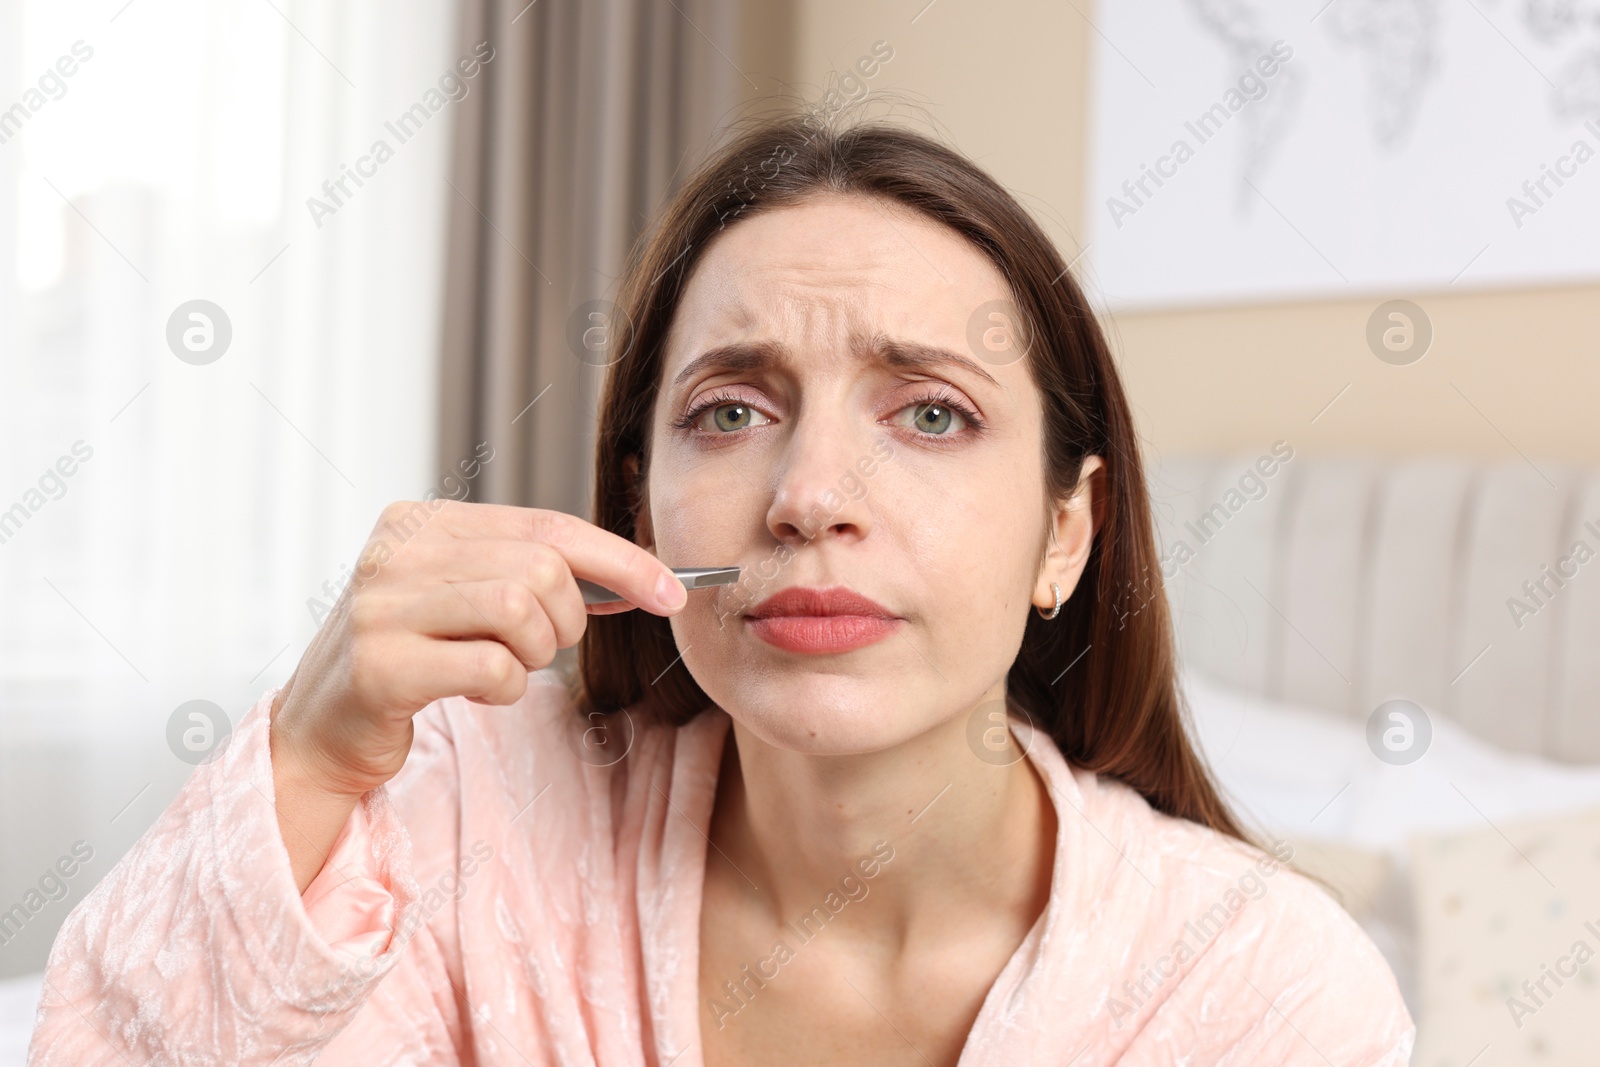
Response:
column 933, row 418
column 730, row 417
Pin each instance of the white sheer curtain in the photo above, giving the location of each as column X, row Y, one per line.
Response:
column 157, row 152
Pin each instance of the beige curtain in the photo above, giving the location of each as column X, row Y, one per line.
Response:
column 589, row 114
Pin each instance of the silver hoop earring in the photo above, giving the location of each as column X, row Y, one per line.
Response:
column 1055, row 590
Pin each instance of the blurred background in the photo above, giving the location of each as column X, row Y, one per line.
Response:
column 267, row 265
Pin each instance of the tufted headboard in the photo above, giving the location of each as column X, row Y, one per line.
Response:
column 1471, row 588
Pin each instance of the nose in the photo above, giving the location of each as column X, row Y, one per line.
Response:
column 821, row 491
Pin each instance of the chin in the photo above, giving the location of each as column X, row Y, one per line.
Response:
column 815, row 713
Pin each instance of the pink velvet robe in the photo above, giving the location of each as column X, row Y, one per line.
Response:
column 502, row 901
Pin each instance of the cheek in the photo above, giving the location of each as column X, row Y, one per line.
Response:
column 701, row 515
column 979, row 527
column 980, row 558
column 969, row 543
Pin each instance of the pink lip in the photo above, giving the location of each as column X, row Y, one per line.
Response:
column 821, row 621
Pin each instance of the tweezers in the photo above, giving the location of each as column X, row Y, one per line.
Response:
column 691, row 577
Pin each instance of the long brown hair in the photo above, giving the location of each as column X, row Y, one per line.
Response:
column 1100, row 677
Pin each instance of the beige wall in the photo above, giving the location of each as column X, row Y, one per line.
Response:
column 1508, row 371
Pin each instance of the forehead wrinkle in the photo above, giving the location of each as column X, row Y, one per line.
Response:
column 886, row 276
column 813, row 300
column 808, row 312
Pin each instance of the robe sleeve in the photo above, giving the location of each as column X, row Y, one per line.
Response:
column 197, row 948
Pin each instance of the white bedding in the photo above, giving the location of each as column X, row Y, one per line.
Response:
column 1309, row 772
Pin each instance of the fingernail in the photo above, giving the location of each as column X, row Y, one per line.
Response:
column 671, row 592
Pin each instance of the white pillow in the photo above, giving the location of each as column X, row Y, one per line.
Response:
column 1311, row 772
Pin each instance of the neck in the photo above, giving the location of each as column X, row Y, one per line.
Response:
column 967, row 840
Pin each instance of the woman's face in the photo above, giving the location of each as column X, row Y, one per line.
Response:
column 848, row 438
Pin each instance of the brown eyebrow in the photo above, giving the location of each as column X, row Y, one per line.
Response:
column 753, row 355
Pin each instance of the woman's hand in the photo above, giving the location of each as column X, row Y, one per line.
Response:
column 448, row 599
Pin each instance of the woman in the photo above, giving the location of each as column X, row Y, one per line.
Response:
column 915, row 790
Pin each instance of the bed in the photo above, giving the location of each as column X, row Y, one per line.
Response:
column 1310, row 592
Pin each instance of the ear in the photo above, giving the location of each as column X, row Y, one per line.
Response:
column 1073, row 523
column 639, row 501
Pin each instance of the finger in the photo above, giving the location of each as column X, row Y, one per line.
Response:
column 413, row 671
column 499, row 610
column 540, row 567
column 598, row 555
